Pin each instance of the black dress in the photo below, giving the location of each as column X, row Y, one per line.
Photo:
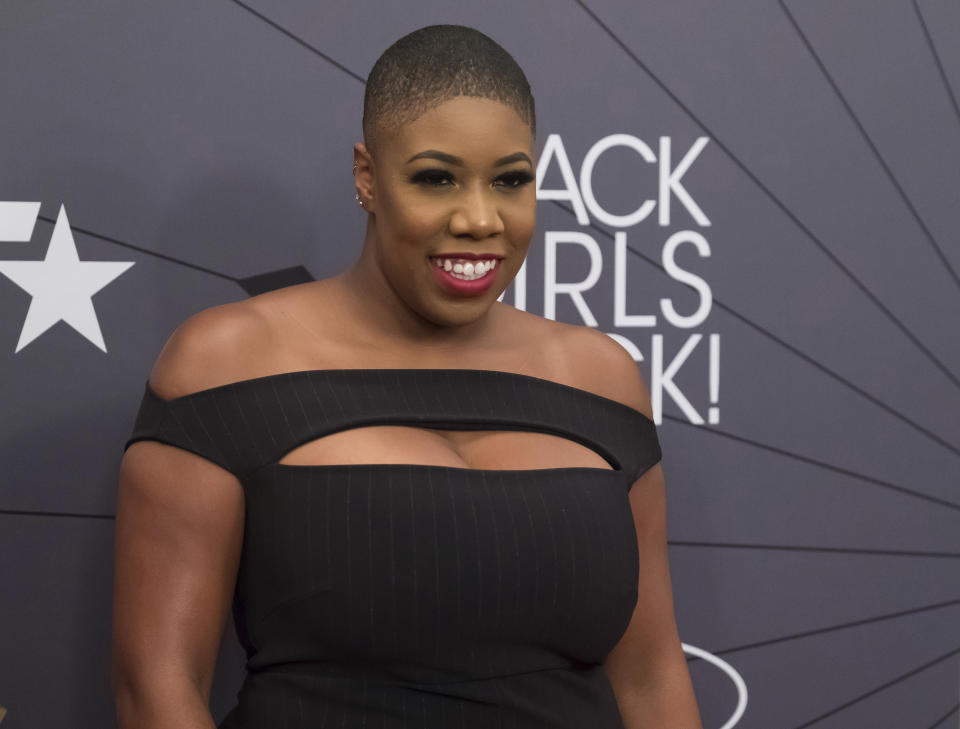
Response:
column 395, row 596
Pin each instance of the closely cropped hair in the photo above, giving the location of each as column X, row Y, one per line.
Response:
column 435, row 64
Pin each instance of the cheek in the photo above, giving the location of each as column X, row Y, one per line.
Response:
column 406, row 219
column 520, row 222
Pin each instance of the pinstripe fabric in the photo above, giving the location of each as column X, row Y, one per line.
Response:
column 401, row 595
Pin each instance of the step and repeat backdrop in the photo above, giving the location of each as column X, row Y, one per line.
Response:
column 759, row 200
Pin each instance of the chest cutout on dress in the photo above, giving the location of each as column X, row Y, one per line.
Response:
column 475, row 449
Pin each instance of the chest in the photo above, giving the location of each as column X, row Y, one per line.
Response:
column 477, row 449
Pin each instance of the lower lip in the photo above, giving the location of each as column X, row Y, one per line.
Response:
column 458, row 285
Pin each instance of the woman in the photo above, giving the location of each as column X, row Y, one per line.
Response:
column 427, row 508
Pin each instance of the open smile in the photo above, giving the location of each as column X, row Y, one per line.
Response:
column 470, row 276
column 466, row 269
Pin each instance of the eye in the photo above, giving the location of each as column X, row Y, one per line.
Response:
column 432, row 178
column 515, row 179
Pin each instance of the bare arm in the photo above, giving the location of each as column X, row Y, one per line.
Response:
column 178, row 537
column 647, row 668
column 179, row 530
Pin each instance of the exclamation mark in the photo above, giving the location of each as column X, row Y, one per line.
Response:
column 713, row 414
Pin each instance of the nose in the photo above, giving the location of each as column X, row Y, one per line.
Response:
column 476, row 214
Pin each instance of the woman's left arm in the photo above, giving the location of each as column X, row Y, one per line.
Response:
column 647, row 667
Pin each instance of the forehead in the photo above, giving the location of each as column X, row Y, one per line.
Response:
column 465, row 126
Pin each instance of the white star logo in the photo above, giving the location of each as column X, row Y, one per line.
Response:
column 62, row 286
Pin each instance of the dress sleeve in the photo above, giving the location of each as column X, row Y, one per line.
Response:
column 182, row 424
column 648, row 452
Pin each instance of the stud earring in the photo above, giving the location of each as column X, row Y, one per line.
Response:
column 357, row 196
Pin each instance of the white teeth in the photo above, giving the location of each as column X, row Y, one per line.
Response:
column 464, row 269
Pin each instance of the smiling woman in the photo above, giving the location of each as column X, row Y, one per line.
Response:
column 453, row 186
column 426, row 507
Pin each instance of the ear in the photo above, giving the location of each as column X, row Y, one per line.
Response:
column 363, row 176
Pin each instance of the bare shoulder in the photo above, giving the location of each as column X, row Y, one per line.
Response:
column 601, row 365
column 582, row 357
column 213, row 347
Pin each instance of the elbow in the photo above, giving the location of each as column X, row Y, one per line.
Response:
column 135, row 700
column 144, row 701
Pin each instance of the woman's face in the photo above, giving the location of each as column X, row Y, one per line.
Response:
column 458, row 179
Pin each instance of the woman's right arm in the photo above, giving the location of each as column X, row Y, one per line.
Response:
column 178, row 538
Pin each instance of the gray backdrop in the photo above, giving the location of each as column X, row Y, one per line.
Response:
column 202, row 152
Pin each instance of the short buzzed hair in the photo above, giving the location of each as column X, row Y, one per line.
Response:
column 435, row 64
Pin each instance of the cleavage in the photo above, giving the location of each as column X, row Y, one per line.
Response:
column 476, row 449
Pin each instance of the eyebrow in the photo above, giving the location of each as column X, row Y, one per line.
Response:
column 451, row 159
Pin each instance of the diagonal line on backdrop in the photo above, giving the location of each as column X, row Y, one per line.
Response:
column 878, row 689
column 803, row 548
column 22, row 512
column 832, row 628
column 148, row 252
column 786, row 211
column 671, row 542
column 802, row 355
column 301, row 41
column 822, row 464
column 879, row 403
column 873, row 147
column 950, row 712
column 936, row 58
